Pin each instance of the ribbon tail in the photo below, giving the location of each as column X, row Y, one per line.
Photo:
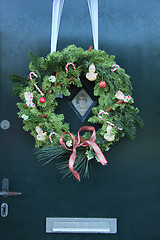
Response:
column 98, row 152
column 93, row 9
column 56, row 17
column 71, row 164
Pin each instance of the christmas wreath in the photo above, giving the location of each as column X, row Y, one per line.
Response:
column 51, row 77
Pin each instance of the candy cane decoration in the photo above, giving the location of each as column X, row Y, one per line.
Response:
column 116, row 67
column 52, row 133
column 114, row 125
column 35, row 75
column 106, row 113
column 102, row 112
column 70, row 63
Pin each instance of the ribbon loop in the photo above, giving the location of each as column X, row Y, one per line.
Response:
column 79, row 142
column 63, row 143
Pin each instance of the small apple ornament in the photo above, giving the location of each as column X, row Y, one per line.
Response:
column 102, row 84
column 42, row 99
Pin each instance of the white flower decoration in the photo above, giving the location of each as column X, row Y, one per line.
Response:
column 69, row 143
column 52, row 78
column 25, row 117
column 89, row 154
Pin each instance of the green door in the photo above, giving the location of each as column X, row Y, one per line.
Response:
column 128, row 188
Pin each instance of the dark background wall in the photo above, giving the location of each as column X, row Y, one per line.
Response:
column 128, row 188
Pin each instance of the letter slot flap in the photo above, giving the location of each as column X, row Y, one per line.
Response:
column 81, row 225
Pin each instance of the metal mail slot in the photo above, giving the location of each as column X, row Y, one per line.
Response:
column 81, row 225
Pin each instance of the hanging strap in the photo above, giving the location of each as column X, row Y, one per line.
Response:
column 56, row 17
column 93, row 9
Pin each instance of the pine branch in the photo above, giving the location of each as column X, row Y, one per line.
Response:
column 81, row 166
column 139, row 121
column 49, row 153
column 34, row 59
column 17, row 79
column 19, row 83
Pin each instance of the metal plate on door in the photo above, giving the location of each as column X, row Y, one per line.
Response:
column 81, row 225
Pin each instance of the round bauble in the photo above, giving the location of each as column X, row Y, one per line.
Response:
column 102, row 84
column 42, row 99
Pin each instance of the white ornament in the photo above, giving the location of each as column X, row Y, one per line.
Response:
column 109, row 136
column 91, row 76
column 69, row 143
column 25, row 117
column 41, row 134
column 52, row 79
column 89, row 154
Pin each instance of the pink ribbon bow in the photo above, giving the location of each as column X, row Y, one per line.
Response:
column 79, row 142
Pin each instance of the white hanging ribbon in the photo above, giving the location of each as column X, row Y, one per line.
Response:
column 93, row 9
column 56, row 17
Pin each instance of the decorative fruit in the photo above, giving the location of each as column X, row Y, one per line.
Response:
column 102, row 84
column 42, row 99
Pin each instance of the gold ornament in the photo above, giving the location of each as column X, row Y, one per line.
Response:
column 109, row 136
column 91, row 75
column 41, row 134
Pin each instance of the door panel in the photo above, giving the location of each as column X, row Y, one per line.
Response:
column 128, row 188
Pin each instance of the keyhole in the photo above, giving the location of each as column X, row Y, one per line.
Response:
column 5, row 124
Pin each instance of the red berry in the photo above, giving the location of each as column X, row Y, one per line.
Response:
column 102, row 84
column 42, row 99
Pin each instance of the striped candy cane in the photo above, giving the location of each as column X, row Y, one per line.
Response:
column 52, row 133
column 116, row 67
column 114, row 125
column 103, row 112
column 35, row 75
column 70, row 63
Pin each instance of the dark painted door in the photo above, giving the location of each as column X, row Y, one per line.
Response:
column 128, row 189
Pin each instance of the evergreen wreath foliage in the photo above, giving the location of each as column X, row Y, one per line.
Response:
column 124, row 115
